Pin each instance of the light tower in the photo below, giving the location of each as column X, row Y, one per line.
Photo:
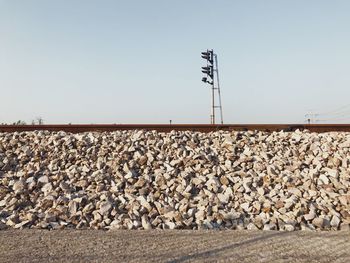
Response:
column 212, row 78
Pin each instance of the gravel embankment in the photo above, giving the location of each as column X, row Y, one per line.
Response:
column 178, row 180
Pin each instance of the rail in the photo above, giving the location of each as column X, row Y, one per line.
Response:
column 77, row 128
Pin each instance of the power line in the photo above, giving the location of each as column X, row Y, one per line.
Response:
column 332, row 112
column 340, row 114
column 346, row 114
column 333, row 119
column 311, row 117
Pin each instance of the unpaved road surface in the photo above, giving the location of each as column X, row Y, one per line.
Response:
column 173, row 246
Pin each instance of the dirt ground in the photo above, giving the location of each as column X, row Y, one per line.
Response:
column 173, row 246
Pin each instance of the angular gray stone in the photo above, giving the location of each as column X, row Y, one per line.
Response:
column 105, row 207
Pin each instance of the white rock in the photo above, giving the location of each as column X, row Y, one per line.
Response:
column 170, row 225
column 223, row 198
column 21, row 225
column 145, row 223
column 251, row 226
column 47, row 188
column 245, row 207
column 19, row 186
column 289, row 227
column 324, row 179
column 261, row 191
column 310, row 216
column 3, row 202
column 144, row 203
column 43, row 179
column 331, row 172
column 270, row 226
column 335, row 221
column 296, row 137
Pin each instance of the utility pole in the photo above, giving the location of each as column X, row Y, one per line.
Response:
column 311, row 117
column 212, row 70
column 218, row 87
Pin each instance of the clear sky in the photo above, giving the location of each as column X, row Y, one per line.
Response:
column 111, row 61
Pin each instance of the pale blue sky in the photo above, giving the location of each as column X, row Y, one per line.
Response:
column 84, row 61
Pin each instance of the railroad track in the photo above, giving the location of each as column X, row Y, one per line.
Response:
column 76, row 128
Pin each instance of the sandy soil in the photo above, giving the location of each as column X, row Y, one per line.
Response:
column 173, row 246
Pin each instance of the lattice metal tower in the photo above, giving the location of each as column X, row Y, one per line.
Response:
column 212, row 78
